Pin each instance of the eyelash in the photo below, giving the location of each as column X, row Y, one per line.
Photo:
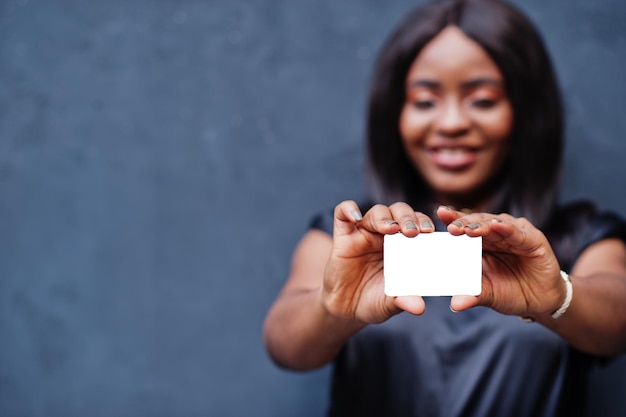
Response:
column 423, row 104
column 484, row 103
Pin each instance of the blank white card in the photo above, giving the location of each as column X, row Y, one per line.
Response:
column 432, row 264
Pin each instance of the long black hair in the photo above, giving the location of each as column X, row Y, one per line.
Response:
column 511, row 40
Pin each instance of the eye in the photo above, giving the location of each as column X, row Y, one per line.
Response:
column 484, row 103
column 424, row 104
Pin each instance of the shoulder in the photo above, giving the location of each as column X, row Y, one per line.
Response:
column 576, row 226
column 585, row 219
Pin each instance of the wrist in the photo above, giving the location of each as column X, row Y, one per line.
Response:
column 567, row 299
column 336, row 314
column 569, row 294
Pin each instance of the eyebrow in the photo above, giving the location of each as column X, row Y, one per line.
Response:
column 466, row 85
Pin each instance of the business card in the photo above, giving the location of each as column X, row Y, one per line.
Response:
column 432, row 264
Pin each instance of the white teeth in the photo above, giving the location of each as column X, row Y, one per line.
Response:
column 452, row 151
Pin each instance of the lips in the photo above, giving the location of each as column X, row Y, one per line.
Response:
column 453, row 158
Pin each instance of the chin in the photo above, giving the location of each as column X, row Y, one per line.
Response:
column 458, row 196
column 455, row 190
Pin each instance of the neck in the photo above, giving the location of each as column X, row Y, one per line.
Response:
column 487, row 202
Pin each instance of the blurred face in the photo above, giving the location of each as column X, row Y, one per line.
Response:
column 456, row 118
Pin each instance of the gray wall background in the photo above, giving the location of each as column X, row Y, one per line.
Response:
column 158, row 162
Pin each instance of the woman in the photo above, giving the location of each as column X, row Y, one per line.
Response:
column 464, row 111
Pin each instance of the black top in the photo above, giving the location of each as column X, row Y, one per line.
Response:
column 473, row 363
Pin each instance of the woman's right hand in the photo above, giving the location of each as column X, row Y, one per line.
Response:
column 353, row 284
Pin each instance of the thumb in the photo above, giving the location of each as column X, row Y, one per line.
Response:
column 413, row 304
column 463, row 302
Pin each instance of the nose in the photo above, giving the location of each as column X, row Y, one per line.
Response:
column 452, row 120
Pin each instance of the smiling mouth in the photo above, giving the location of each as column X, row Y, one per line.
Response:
column 456, row 158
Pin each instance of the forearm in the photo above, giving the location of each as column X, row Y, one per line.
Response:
column 300, row 334
column 596, row 319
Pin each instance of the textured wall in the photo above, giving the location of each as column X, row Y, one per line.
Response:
column 159, row 160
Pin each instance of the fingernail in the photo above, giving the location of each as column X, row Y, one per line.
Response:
column 457, row 224
column 426, row 224
column 356, row 215
column 499, row 220
column 411, row 225
column 473, row 226
column 390, row 222
column 453, row 310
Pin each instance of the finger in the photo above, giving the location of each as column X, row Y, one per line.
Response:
column 347, row 214
column 458, row 221
column 480, row 224
column 425, row 223
column 380, row 219
column 410, row 221
column 463, row 302
column 448, row 214
column 412, row 304
column 522, row 238
column 405, row 216
column 501, row 231
column 476, row 224
column 514, row 231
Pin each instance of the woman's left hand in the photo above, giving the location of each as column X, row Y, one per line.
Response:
column 520, row 271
